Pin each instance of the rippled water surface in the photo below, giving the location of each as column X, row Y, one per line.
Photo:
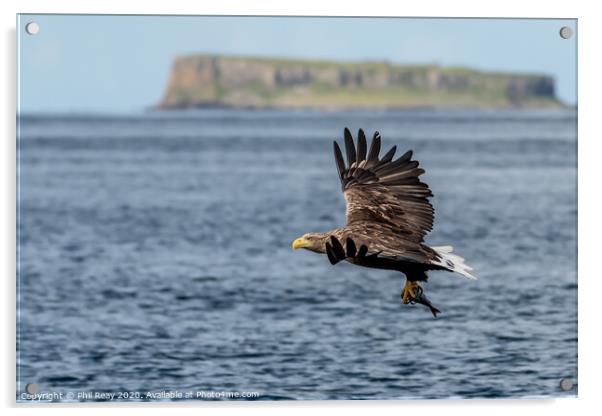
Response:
column 155, row 256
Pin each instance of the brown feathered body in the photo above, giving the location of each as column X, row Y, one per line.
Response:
column 389, row 252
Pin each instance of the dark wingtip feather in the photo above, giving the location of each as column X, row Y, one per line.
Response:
column 406, row 156
column 374, row 149
column 338, row 157
column 361, row 146
column 349, row 147
column 351, row 249
column 337, row 247
column 389, row 155
column 331, row 256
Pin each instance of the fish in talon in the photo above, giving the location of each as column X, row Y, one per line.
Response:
column 423, row 300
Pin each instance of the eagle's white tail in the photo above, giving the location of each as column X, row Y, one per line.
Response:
column 452, row 262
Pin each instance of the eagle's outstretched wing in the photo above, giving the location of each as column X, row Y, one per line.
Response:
column 384, row 191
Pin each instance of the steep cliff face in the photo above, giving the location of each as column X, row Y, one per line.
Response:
column 198, row 81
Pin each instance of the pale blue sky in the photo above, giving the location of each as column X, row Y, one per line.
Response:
column 112, row 64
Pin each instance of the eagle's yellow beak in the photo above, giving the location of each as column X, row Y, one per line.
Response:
column 299, row 243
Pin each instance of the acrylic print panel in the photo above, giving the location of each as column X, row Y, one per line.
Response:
column 167, row 164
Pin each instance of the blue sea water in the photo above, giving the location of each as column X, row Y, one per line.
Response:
column 154, row 255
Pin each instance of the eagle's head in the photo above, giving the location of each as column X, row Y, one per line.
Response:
column 310, row 241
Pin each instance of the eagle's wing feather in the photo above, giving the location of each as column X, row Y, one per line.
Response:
column 384, row 191
column 381, row 241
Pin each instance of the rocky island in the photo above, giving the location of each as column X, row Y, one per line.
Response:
column 225, row 81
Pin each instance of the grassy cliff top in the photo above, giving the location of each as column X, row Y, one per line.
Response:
column 239, row 81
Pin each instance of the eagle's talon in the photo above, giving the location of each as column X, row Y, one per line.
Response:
column 418, row 291
column 410, row 292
